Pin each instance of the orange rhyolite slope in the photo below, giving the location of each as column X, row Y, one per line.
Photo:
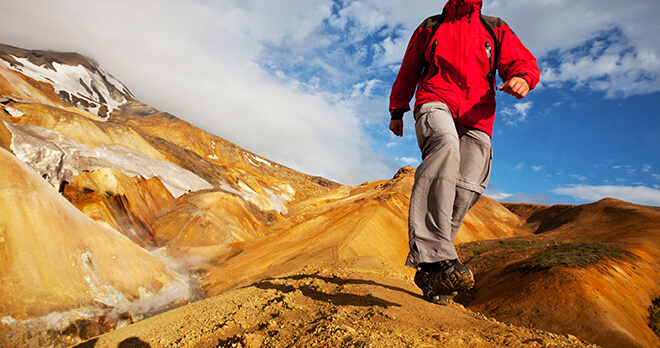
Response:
column 590, row 270
column 233, row 218
column 56, row 259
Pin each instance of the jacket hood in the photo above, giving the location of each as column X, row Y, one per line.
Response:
column 462, row 8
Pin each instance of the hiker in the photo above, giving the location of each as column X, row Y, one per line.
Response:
column 449, row 66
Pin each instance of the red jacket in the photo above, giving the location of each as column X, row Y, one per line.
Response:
column 452, row 66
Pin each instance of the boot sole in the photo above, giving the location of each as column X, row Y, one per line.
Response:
column 428, row 293
column 460, row 279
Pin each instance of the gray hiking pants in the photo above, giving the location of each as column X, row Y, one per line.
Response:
column 453, row 174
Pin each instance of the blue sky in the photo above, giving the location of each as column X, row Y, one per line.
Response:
column 306, row 83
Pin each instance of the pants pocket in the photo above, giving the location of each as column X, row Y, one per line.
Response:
column 433, row 119
column 475, row 166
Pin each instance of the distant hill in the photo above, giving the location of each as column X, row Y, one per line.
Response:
column 590, row 270
column 115, row 211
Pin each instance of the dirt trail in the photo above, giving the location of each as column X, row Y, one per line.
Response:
column 354, row 303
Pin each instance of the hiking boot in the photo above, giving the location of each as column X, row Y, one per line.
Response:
column 422, row 281
column 449, row 276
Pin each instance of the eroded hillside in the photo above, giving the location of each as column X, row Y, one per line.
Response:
column 173, row 214
column 589, row 270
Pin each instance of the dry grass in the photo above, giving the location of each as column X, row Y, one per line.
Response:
column 574, row 255
column 654, row 317
column 533, row 255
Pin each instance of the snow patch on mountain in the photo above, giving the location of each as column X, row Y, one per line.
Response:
column 76, row 85
column 252, row 159
column 59, row 159
column 213, row 155
column 12, row 111
column 276, row 198
column 279, row 196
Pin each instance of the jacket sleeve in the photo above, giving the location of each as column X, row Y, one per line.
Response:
column 515, row 59
column 411, row 69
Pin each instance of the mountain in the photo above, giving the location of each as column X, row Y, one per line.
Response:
column 589, row 270
column 117, row 212
column 55, row 258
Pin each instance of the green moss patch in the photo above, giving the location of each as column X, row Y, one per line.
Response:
column 532, row 255
column 574, row 255
column 486, row 254
column 654, row 317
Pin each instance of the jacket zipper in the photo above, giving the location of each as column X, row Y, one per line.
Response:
column 489, row 53
column 490, row 76
column 462, row 54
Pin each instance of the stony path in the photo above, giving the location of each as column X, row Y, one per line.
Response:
column 357, row 303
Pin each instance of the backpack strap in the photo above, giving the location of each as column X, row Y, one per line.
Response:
column 433, row 23
column 493, row 65
column 438, row 20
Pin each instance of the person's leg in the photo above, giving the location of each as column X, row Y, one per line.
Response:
column 451, row 178
column 473, row 174
column 449, row 276
column 432, row 198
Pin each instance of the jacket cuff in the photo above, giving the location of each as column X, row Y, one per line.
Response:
column 527, row 78
column 396, row 115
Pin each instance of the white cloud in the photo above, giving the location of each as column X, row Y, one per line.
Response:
column 537, row 168
column 628, row 169
column 622, row 56
column 278, row 77
column 408, row 160
column 578, row 177
column 516, row 114
column 617, row 70
column 200, row 61
column 545, row 26
column 364, row 88
column 634, row 194
column 624, row 60
column 389, row 51
column 495, row 193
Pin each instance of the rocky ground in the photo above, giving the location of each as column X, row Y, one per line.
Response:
column 353, row 303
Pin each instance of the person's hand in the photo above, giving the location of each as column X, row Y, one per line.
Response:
column 396, row 126
column 516, row 86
